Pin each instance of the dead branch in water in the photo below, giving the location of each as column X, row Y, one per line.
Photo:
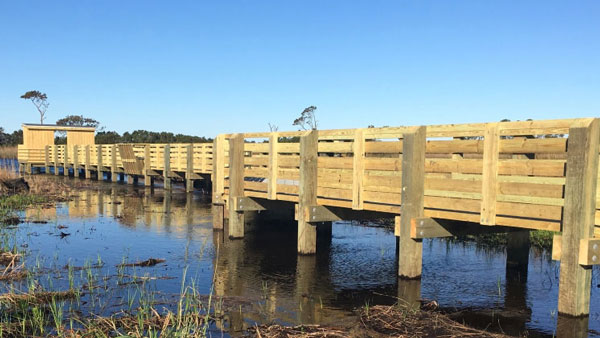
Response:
column 146, row 263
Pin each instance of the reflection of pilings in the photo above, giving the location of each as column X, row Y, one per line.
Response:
column 305, row 279
column 167, row 208
column 572, row 327
column 517, row 255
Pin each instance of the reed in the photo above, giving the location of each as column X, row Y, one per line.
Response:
column 9, row 152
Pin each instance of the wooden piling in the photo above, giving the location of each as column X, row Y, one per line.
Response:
column 413, row 189
column 47, row 160
column 236, row 184
column 148, row 181
column 189, row 182
column 56, row 170
column 87, row 165
column 113, row 163
column 100, row 167
column 307, row 231
column 66, row 161
column 167, row 167
column 76, row 161
column 578, row 216
column 217, row 179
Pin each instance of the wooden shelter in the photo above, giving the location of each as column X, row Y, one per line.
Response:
column 36, row 137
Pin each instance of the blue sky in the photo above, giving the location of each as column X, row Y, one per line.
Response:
column 205, row 68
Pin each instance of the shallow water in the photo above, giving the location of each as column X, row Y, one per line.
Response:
column 262, row 279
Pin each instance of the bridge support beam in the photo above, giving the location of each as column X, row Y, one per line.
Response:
column 236, row 184
column 578, row 216
column 413, row 189
column 307, row 194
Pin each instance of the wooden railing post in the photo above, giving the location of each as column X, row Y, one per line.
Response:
column 489, row 177
column 66, row 161
column 217, row 180
column 56, row 171
column 75, row 161
column 113, row 163
column 236, row 184
column 413, row 191
column 47, row 160
column 87, row 169
column 99, row 174
column 578, row 216
column 273, row 166
column 189, row 171
column 147, row 166
column 307, row 192
column 358, row 170
column 167, row 167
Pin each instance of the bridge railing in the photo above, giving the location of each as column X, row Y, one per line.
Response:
column 506, row 173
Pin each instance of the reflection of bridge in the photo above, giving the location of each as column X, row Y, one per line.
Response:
column 496, row 176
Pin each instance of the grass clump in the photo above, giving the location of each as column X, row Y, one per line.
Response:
column 11, row 204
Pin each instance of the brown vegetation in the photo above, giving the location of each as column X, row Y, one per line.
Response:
column 9, row 152
column 381, row 321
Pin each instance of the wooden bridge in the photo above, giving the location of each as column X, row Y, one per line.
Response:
column 437, row 181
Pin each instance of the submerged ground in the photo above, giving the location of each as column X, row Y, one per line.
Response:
column 92, row 243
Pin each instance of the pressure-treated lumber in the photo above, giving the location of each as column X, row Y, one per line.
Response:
column 56, row 170
column 47, row 159
column 578, row 218
column 100, row 166
column 489, row 184
column 217, row 178
column 427, row 227
column 87, row 166
column 413, row 186
column 113, row 163
column 358, row 170
column 589, row 251
column 148, row 180
column 273, row 165
column 66, row 162
column 189, row 171
column 307, row 231
column 167, row 167
column 236, row 184
column 75, row 161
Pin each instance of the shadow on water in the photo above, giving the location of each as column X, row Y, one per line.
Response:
column 263, row 280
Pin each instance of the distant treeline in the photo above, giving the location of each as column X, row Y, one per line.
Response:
column 13, row 139
column 110, row 137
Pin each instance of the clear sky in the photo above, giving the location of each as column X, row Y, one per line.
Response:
column 204, row 68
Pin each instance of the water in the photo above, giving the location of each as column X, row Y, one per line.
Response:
column 261, row 279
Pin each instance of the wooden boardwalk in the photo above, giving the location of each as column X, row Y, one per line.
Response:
column 436, row 181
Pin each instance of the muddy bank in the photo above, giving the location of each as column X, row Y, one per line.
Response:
column 381, row 321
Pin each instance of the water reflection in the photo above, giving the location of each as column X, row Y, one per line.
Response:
column 261, row 279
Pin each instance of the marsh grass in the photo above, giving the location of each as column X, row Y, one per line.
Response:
column 8, row 152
